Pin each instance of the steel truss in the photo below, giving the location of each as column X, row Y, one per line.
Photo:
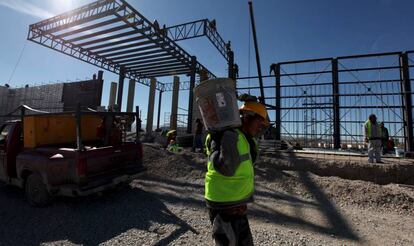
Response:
column 110, row 34
column 200, row 28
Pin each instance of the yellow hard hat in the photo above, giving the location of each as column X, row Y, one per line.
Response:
column 256, row 108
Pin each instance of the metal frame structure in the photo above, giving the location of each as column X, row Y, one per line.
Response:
column 114, row 36
column 325, row 102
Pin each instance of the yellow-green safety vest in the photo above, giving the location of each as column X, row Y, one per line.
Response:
column 368, row 125
column 240, row 186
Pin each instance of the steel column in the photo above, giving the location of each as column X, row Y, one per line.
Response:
column 336, row 112
column 407, row 103
column 230, row 63
column 278, row 120
column 191, row 93
column 120, row 88
column 159, row 109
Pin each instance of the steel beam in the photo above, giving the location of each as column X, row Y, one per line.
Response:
column 161, row 68
column 110, row 44
column 230, row 64
column 191, row 94
column 126, row 47
column 127, row 58
column 149, row 47
column 85, row 14
column 115, row 36
column 95, row 34
column 148, row 59
column 407, row 102
column 167, row 73
column 159, row 109
column 88, row 28
column 278, row 121
column 335, row 104
column 120, row 88
column 155, row 65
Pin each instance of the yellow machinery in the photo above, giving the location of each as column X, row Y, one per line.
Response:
column 41, row 130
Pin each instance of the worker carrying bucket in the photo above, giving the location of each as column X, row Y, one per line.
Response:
column 232, row 149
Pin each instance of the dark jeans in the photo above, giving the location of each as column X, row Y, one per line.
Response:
column 198, row 142
column 231, row 226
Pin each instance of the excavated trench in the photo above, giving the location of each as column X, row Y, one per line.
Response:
column 391, row 171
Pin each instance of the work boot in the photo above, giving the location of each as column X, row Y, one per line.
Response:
column 370, row 160
column 379, row 161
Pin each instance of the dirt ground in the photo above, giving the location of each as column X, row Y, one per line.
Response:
column 165, row 206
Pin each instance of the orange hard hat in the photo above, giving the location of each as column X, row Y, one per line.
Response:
column 256, row 108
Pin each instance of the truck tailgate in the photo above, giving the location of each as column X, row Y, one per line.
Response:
column 104, row 161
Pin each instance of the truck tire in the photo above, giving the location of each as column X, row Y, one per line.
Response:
column 36, row 192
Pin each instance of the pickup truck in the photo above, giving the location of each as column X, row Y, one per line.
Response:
column 70, row 169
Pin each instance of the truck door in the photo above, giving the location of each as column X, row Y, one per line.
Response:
column 4, row 130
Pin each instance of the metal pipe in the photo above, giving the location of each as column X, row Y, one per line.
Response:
column 259, row 70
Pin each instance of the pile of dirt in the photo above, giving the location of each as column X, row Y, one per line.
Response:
column 401, row 173
column 366, row 194
column 192, row 166
column 184, row 164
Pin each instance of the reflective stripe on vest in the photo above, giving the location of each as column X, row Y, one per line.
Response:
column 240, row 186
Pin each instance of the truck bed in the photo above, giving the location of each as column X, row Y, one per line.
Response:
column 82, row 170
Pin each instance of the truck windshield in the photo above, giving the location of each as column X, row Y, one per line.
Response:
column 4, row 131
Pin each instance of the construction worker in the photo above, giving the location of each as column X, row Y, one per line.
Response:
column 198, row 137
column 384, row 138
column 173, row 146
column 373, row 136
column 229, row 181
column 171, row 135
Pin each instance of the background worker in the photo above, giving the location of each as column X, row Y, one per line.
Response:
column 171, row 135
column 384, row 138
column 373, row 136
column 229, row 181
column 198, row 137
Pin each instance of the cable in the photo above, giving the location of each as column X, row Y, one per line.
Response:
column 18, row 61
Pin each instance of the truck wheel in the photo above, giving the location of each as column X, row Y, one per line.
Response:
column 36, row 192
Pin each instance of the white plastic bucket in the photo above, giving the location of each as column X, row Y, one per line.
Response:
column 399, row 152
column 217, row 101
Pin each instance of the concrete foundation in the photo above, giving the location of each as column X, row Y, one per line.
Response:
column 131, row 95
column 112, row 94
column 151, row 100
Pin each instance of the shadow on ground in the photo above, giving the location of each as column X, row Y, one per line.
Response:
column 338, row 225
column 88, row 221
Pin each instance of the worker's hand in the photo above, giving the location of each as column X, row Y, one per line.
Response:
column 366, row 140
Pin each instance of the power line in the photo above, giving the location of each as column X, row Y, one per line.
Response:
column 17, row 63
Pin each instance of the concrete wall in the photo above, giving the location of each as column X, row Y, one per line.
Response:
column 88, row 93
column 52, row 97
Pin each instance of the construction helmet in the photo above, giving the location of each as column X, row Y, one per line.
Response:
column 257, row 108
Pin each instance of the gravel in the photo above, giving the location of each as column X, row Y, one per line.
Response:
column 165, row 206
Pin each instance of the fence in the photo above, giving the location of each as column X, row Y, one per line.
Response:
column 323, row 103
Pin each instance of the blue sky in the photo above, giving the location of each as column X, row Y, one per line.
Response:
column 287, row 30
